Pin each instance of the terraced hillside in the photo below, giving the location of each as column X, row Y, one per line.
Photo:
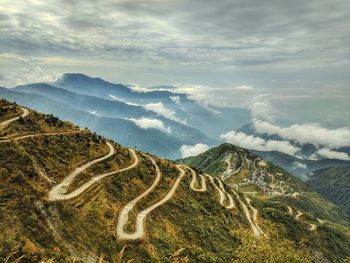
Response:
column 68, row 195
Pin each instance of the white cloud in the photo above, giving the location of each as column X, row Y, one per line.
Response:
column 26, row 72
column 257, row 143
column 193, row 150
column 139, row 89
column 299, row 165
column 307, row 133
column 161, row 110
column 261, row 110
column 333, row 154
column 244, row 88
column 147, row 123
column 175, row 99
column 122, row 100
column 93, row 112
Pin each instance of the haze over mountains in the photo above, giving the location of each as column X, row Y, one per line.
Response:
column 170, row 124
column 158, row 121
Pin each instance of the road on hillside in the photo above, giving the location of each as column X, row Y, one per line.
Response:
column 141, row 217
column 58, row 192
column 222, row 193
column 24, row 114
column 254, row 228
column 195, row 180
column 39, row 135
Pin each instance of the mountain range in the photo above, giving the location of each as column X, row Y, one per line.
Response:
column 133, row 118
column 69, row 195
column 158, row 121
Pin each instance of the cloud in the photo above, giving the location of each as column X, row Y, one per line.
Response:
column 93, row 112
column 215, row 33
column 308, row 133
column 244, row 88
column 333, row 154
column 175, row 99
column 195, row 42
column 26, row 72
column 147, row 123
column 139, row 89
column 193, row 150
column 122, row 100
column 256, row 143
column 262, row 109
column 160, row 109
column 299, row 165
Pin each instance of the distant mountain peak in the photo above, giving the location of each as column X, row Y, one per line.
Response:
column 81, row 77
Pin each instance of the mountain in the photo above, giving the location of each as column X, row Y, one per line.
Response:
column 70, row 195
column 211, row 120
column 77, row 108
column 121, row 130
column 274, row 189
column 334, row 184
column 300, row 167
column 114, row 109
column 181, row 120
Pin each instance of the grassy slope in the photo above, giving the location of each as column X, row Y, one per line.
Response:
column 333, row 236
column 334, row 184
column 191, row 225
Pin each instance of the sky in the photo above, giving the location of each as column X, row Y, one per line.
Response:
column 288, row 61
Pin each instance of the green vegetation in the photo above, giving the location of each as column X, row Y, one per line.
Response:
column 276, row 248
column 333, row 234
column 8, row 110
column 190, row 227
column 334, row 184
column 36, row 123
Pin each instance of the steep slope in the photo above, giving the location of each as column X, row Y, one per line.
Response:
column 334, row 184
column 69, row 195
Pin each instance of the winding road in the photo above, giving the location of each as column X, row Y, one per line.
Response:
column 253, row 227
column 255, row 214
column 230, row 198
column 39, row 135
column 25, row 113
column 58, row 192
column 195, row 180
column 237, row 170
column 141, row 217
column 222, row 192
column 312, row 227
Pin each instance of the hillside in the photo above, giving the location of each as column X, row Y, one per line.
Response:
column 334, row 184
column 69, row 195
